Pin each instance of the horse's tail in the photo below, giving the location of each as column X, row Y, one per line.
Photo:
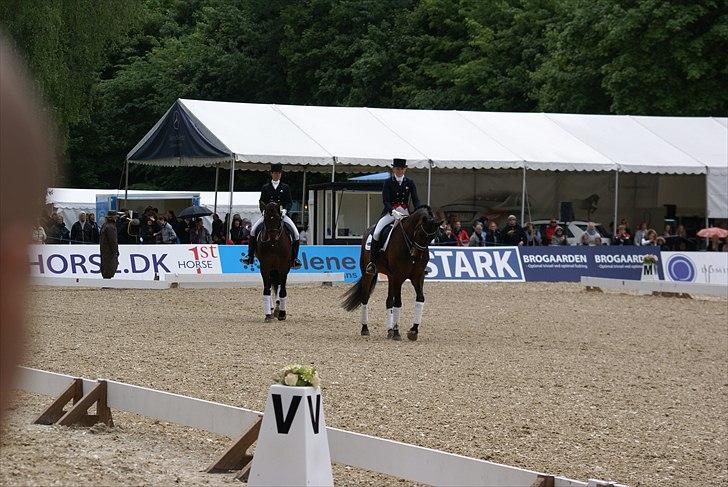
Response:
column 356, row 294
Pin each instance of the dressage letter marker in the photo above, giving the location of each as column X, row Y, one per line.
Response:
column 293, row 447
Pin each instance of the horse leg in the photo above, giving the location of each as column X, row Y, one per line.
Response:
column 367, row 280
column 418, row 284
column 275, row 294
column 397, row 309
column 266, row 297
column 282, row 295
column 392, row 329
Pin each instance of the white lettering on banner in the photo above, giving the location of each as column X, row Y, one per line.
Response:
column 135, row 261
column 462, row 264
column 618, row 259
column 467, row 264
column 555, row 259
column 443, row 255
column 501, row 264
column 483, row 261
column 698, row 267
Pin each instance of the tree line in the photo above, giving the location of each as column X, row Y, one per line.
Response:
column 110, row 69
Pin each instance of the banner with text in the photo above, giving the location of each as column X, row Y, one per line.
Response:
column 492, row 264
column 700, row 267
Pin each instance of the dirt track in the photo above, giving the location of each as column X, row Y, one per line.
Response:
column 541, row 376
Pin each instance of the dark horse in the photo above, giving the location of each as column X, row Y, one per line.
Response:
column 273, row 250
column 405, row 258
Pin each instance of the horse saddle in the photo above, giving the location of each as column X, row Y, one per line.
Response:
column 383, row 237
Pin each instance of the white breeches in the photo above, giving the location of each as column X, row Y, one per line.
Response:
column 286, row 221
column 386, row 220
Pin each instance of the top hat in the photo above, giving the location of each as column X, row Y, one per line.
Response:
column 396, row 162
column 277, row 167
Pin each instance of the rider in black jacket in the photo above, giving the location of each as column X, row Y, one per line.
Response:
column 396, row 194
column 278, row 192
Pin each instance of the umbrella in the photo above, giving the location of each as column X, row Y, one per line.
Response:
column 713, row 232
column 194, row 212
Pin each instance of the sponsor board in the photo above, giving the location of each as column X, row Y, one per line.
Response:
column 699, row 267
column 570, row 263
column 315, row 258
column 135, row 261
column 491, row 264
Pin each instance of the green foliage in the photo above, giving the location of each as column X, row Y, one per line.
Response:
column 111, row 69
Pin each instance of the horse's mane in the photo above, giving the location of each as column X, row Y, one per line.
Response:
column 427, row 209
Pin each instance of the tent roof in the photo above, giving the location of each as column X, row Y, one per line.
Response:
column 73, row 198
column 205, row 133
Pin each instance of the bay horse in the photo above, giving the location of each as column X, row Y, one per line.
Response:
column 273, row 250
column 405, row 257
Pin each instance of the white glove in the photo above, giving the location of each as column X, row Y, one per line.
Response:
column 397, row 215
column 283, row 212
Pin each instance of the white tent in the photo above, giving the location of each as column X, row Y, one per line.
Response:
column 243, row 135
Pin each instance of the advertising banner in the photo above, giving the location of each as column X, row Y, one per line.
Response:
column 699, row 267
column 570, row 263
column 492, row 264
column 135, row 261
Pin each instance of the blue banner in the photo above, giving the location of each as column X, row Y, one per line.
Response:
column 571, row 263
column 492, row 264
column 315, row 258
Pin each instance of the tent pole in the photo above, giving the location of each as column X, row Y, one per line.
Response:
column 126, row 184
column 429, row 181
column 523, row 195
column 707, row 205
column 616, row 201
column 333, row 170
column 217, row 177
column 232, row 191
column 303, row 200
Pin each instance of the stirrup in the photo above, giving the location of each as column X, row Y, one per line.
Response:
column 296, row 264
column 371, row 268
column 248, row 260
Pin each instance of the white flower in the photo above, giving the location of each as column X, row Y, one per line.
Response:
column 291, row 379
column 315, row 381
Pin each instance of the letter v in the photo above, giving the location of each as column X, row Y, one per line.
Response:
column 284, row 424
column 315, row 417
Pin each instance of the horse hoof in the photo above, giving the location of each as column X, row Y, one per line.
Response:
column 396, row 336
column 390, row 333
column 268, row 318
column 364, row 330
column 277, row 312
column 412, row 335
column 281, row 315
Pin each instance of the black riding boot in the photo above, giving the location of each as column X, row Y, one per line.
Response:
column 373, row 253
column 248, row 260
column 295, row 263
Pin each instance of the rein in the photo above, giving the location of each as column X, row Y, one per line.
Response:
column 266, row 233
column 412, row 242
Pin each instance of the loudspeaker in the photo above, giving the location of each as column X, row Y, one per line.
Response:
column 566, row 213
column 670, row 211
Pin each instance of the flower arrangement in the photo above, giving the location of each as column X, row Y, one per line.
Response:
column 649, row 259
column 298, row 375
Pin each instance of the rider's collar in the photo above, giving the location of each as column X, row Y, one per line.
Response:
column 399, row 179
column 275, row 183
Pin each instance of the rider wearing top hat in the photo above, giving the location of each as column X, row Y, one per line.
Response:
column 279, row 192
column 396, row 194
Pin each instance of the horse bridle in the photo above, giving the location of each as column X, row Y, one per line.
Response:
column 413, row 241
column 266, row 232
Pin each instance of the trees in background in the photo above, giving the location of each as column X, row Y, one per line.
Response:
column 111, row 69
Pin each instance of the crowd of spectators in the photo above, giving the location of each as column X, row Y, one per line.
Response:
column 149, row 227
column 487, row 233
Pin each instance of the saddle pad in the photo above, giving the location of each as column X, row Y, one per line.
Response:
column 386, row 235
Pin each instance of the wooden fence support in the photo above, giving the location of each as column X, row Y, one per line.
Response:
column 55, row 411
column 544, row 481
column 236, row 456
column 78, row 414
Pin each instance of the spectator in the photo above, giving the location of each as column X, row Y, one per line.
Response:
column 558, row 238
column 624, row 222
column 109, row 246
column 680, row 232
column 667, row 232
column 592, row 232
column 650, row 238
column 533, row 235
column 715, row 244
column 199, row 234
column 58, row 234
column 512, row 233
column 598, row 241
column 149, row 230
column 483, row 220
column 447, row 237
column 662, row 243
column 177, row 225
column 493, row 235
column 80, row 231
column 127, row 228
column 640, row 234
column 166, row 234
column 461, row 235
column 550, row 230
column 39, row 234
column 219, row 229
column 93, row 227
column 237, row 232
column 303, row 234
column 585, row 239
column 622, row 237
column 477, row 239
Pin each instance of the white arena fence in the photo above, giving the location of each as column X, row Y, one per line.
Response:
column 388, row 457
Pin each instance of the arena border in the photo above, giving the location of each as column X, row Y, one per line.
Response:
column 663, row 288
column 189, row 281
column 388, row 457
